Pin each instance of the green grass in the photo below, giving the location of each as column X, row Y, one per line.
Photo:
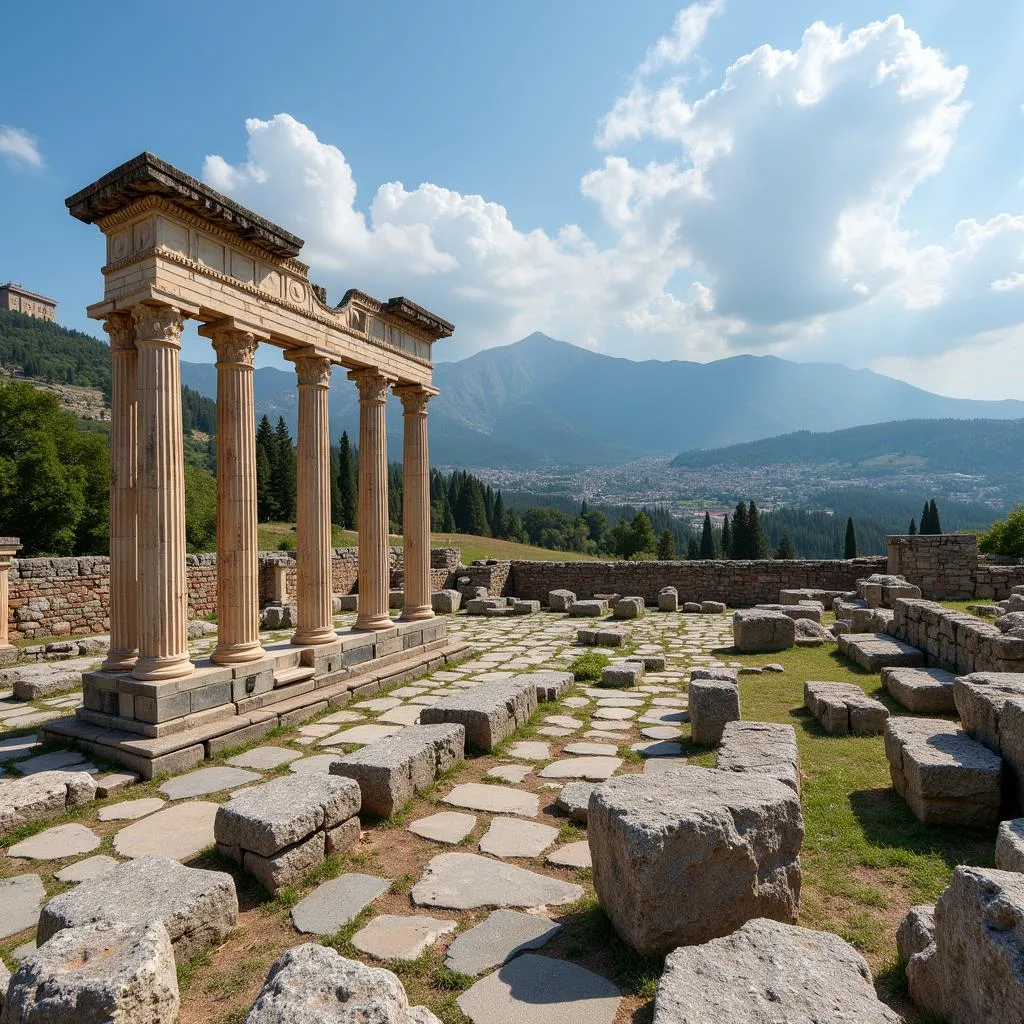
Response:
column 588, row 667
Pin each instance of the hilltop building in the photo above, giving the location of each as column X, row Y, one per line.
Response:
column 13, row 296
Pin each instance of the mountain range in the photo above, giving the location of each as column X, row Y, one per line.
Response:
column 541, row 402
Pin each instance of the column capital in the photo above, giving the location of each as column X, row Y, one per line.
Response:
column 160, row 324
column 414, row 398
column 120, row 329
column 372, row 384
column 234, row 347
column 312, row 369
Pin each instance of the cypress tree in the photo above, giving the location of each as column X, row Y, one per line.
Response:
column 913, row 527
column 933, row 515
column 470, row 514
column 786, row 549
column 926, row 519
column 740, row 547
column 284, row 472
column 707, row 538
column 347, row 485
column 666, row 547
column 498, row 526
column 850, row 547
column 755, row 531
column 726, row 538
column 692, row 549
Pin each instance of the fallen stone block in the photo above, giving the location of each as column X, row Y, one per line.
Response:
column 764, row 748
column 693, row 607
column 688, row 855
column 730, row 675
column 916, row 932
column 760, row 632
column 797, row 612
column 42, row 795
column 589, row 609
column 767, row 971
column 481, row 605
column 97, row 974
column 825, row 597
column 811, row 634
column 197, row 907
column 713, row 703
column 882, row 590
column 629, row 608
column 445, row 602
column 390, row 771
column 488, row 712
column 550, row 684
column 312, row 984
column 574, row 799
column 712, row 607
column 945, row 777
column 612, row 637
column 651, row 662
column 875, row 651
column 1010, row 845
column 974, row 970
column 561, row 600
column 348, row 602
column 280, row 616
column 34, row 682
column 526, row 607
column 668, row 599
column 623, row 675
column 844, row 708
column 923, row 690
column 587, row 636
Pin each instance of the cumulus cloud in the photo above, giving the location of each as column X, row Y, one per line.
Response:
column 19, row 149
column 772, row 220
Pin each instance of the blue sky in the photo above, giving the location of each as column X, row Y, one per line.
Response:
column 828, row 181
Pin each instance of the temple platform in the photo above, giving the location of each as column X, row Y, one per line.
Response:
column 171, row 725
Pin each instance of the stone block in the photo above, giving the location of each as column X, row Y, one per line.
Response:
column 561, row 600
column 197, row 907
column 764, row 748
column 389, row 772
column 713, row 703
column 811, row 611
column 1010, row 845
column 481, row 605
column 974, row 970
column 445, row 602
column 587, row 636
column 762, row 632
column 348, row 602
column 266, row 819
column 945, row 777
column 693, row 607
column 526, row 607
column 34, row 682
column 812, row 634
column 916, row 932
column 550, row 684
column 622, row 675
column 97, row 974
column 730, row 675
column 612, row 637
column 651, row 662
column 922, row 690
column 42, row 795
column 668, row 599
column 285, row 866
column 712, row 607
column 488, row 712
column 629, row 608
column 688, row 855
column 875, row 651
column 341, row 837
column 844, row 708
column 589, row 609
column 980, row 699
column 769, row 971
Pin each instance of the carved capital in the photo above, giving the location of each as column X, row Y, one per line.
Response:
column 414, row 398
column 235, row 347
column 121, row 331
column 372, row 384
column 313, row 370
column 156, row 324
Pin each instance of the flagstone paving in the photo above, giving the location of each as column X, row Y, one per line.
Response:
column 391, row 937
column 502, row 935
column 131, row 810
column 445, row 826
column 206, row 781
column 21, row 896
column 510, row 837
column 57, row 843
column 82, row 870
column 180, row 832
column 334, row 904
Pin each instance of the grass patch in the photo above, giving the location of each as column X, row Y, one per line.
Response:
column 588, row 667
column 571, row 834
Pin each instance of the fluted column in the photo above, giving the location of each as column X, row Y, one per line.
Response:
column 313, row 504
column 124, row 451
column 416, row 501
column 238, row 617
column 8, row 548
column 162, row 590
column 374, row 564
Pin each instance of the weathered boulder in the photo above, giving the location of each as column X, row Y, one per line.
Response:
column 916, row 932
column 712, row 607
column 629, row 608
column 843, row 708
column 589, row 609
column 389, row 772
column 1010, row 845
column 974, row 970
column 34, row 682
column 445, row 602
column 731, row 675
column 765, row 748
column 712, row 703
column 622, row 674
column 668, row 599
column 688, row 855
column 488, row 712
column 561, row 600
column 311, row 984
column 1005, row 623
column 767, row 972
column 42, row 795
column 811, row 611
column 923, row 690
column 809, row 633
column 693, row 607
column 945, row 777
column 197, row 907
column 101, row 973
column 550, row 684
column 760, row 632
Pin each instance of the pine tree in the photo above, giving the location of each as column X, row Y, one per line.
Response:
column 644, row 539
column 347, row 486
column 666, row 547
column 850, row 547
column 740, row 547
column 755, row 532
column 913, row 527
column 284, row 472
column 470, row 514
column 498, row 516
column 933, row 515
column 692, row 549
column 266, row 459
column 726, row 538
column 707, row 538
column 786, row 549
column 926, row 519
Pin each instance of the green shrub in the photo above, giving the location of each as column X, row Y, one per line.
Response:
column 1005, row 536
column 588, row 667
column 286, row 543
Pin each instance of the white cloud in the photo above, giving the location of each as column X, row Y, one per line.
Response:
column 19, row 149
column 688, row 32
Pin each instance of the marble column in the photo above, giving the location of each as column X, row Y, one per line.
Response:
column 313, row 505
column 124, row 453
column 8, row 548
column 238, row 612
column 374, row 563
column 416, row 501
column 162, row 600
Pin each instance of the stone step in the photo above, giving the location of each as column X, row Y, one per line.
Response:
column 923, row 690
column 288, row 676
column 875, row 651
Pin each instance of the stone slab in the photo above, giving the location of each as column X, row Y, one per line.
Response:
column 42, row 795
column 595, row 769
column 264, row 758
column 574, row 798
column 56, row 843
column 55, row 760
column 444, row 827
column 131, row 810
column 844, row 708
column 550, row 684
column 21, row 896
column 765, row 748
column 572, row 855
column 179, row 832
column 206, row 781
column 334, row 904
column 921, row 690
column 464, row 881
column 512, row 773
column 510, row 837
column 318, row 764
column 875, row 651
column 591, row 749
column 489, row 712
column 477, row 796
column 391, row 937
column 83, row 870
column 499, row 937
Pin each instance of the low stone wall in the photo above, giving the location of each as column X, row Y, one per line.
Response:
column 737, row 583
column 942, row 565
column 955, row 640
column 494, row 574
column 994, row 582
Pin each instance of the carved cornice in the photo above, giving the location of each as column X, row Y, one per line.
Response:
column 157, row 324
column 120, row 330
column 235, row 347
column 312, row 370
column 373, row 386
